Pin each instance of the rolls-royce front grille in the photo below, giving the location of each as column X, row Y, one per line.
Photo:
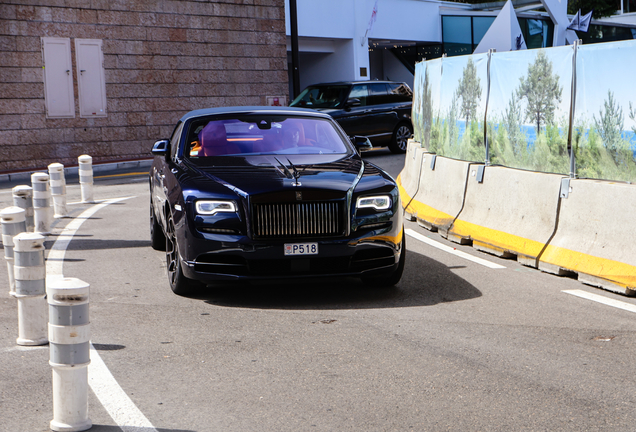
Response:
column 310, row 219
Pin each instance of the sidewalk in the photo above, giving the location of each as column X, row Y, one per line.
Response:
column 9, row 180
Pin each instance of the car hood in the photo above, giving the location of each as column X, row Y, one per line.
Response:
column 266, row 175
column 333, row 112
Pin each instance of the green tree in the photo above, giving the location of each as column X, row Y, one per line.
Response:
column 512, row 123
column 609, row 126
column 469, row 90
column 632, row 115
column 602, row 8
column 542, row 91
column 426, row 109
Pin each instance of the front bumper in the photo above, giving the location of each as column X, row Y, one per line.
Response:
column 235, row 258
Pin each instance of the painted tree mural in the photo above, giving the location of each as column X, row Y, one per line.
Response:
column 426, row 109
column 541, row 90
column 469, row 91
column 609, row 125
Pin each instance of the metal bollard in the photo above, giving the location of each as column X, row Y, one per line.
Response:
column 13, row 223
column 58, row 189
column 30, row 288
column 23, row 198
column 86, row 178
column 41, row 203
column 69, row 334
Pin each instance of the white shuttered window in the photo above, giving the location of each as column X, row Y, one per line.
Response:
column 91, row 83
column 58, row 77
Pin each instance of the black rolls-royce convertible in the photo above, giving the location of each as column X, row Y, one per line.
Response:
column 257, row 193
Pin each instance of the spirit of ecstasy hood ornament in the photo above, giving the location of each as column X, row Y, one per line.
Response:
column 295, row 176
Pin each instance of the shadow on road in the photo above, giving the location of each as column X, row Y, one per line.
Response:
column 98, row 244
column 425, row 282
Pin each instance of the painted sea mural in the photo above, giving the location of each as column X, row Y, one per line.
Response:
column 520, row 104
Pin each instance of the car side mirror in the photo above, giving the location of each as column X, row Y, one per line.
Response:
column 353, row 102
column 161, row 148
column 362, row 143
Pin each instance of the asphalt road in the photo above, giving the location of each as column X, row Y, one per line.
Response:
column 455, row 346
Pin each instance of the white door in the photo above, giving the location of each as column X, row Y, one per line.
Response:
column 58, row 77
column 91, row 83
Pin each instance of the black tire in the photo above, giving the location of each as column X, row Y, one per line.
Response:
column 157, row 237
column 179, row 284
column 400, row 139
column 390, row 280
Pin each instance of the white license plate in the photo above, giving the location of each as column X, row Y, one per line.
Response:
column 301, row 249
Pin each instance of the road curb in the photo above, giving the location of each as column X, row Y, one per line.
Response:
column 73, row 171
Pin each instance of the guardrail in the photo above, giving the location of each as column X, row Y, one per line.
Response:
column 547, row 221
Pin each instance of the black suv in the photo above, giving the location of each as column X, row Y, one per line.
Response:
column 379, row 110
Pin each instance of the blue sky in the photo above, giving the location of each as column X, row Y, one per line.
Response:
column 601, row 67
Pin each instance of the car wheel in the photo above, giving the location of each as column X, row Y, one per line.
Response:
column 157, row 237
column 401, row 137
column 179, row 284
column 392, row 279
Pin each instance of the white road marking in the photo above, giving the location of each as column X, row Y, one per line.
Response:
column 602, row 299
column 94, row 202
column 451, row 250
column 112, row 397
column 55, row 258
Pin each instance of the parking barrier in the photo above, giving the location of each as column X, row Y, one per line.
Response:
column 86, row 178
column 58, row 189
column 41, row 203
column 69, row 335
column 23, row 198
column 440, row 194
column 30, row 288
column 13, row 223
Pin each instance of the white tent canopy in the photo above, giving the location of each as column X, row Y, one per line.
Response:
column 504, row 34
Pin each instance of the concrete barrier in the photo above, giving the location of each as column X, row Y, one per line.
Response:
column 42, row 211
column 595, row 236
column 86, row 178
column 440, row 196
column 409, row 179
column 23, row 198
column 585, row 229
column 511, row 212
column 57, row 182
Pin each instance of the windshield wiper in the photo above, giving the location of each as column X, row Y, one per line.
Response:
column 285, row 171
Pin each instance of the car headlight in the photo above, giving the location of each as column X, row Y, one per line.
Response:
column 209, row 207
column 380, row 202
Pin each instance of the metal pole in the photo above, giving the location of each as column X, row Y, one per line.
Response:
column 58, row 189
column 86, row 178
column 69, row 335
column 41, row 203
column 13, row 223
column 30, row 288
column 575, row 46
column 23, row 198
column 293, row 23
column 487, row 161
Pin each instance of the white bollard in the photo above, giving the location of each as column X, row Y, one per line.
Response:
column 30, row 288
column 23, row 198
column 69, row 334
column 86, row 178
column 41, row 203
column 58, row 189
column 13, row 223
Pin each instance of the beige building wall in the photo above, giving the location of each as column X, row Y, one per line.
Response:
column 161, row 59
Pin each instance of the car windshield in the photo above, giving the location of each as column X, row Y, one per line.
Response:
column 262, row 135
column 322, row 97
